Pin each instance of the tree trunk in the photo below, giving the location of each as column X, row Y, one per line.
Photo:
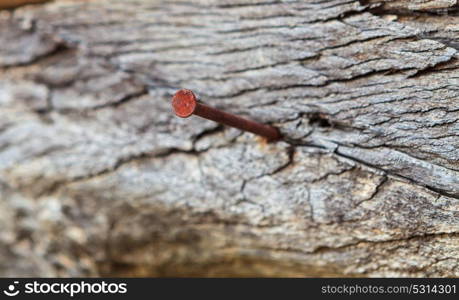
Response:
column 99, row 178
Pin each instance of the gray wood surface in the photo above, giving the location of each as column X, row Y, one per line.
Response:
column 98, row 177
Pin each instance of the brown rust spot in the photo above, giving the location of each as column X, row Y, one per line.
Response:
column 184, row 103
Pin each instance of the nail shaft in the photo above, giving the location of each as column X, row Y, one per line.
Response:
column 185, row 104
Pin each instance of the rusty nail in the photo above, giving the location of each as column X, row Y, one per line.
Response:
column 186, row 104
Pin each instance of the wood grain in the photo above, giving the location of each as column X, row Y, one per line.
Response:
column 98, row 177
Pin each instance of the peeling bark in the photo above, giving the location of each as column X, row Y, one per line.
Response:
column 99, row 178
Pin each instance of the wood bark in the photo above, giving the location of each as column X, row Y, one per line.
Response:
column 99, row 178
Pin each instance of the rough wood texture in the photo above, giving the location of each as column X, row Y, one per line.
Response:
column 17, row 3
column 99, row 178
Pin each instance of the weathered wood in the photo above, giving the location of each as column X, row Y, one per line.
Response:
column 98, row 177
column 17, row 3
